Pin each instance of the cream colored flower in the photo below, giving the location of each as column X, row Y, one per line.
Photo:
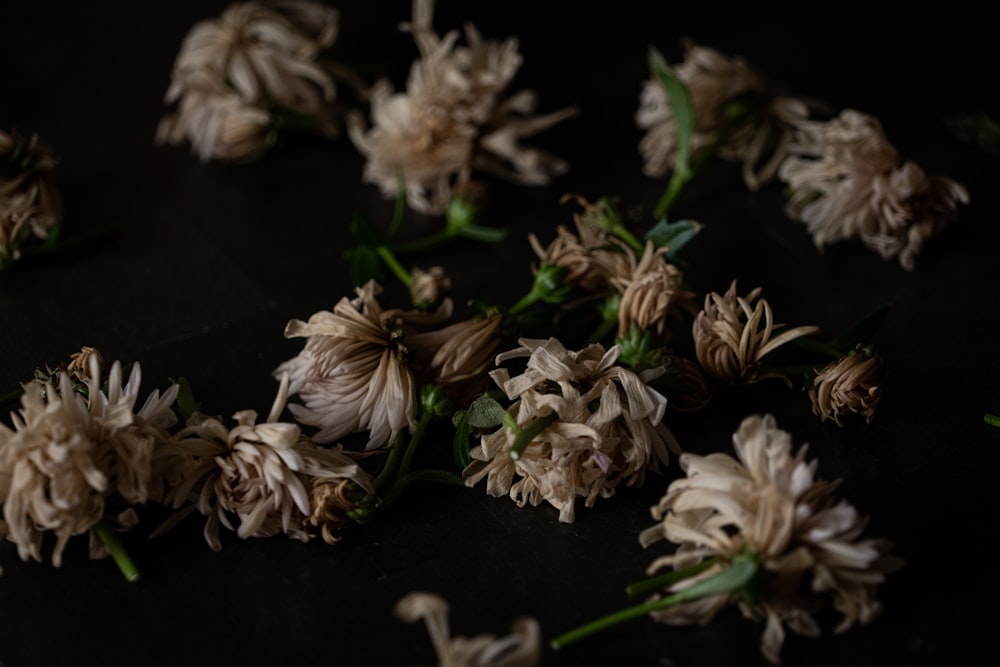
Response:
column 69, row 456
column 850, row 385
column 333, row 501
column 457, row 357
column 429, row 286
column 605, row 427
column 768, row 502
column 651, row 292
column 733, row 334
column 265, row 51
column 219, row 125
column 521, row 648
column 452, row 119
column 846, row 181
column 258, row 473
column 30, row 204
column 353, row 373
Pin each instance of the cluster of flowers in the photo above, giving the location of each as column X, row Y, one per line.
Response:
column 846, row 180
column 30, row 205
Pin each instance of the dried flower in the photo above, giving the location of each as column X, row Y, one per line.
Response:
column 729, row 341
column 336, row 504
column 458, row 356
column 851, row 385
column 600, row 425
column 428, row 286
column 846, row 181
column 257, row 472
column 30, row 205
column 70, row 455
column 521, row 648
column 768, row 503
column 651, row 291
column 353, row 373
column 236, row 74
column 452, row 120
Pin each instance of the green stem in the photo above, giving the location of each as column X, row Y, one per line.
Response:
column 667, row 579
column 426, row 243
column 391, row 463
column 992, row 420
column 739, row 572
column 116, row 548
column 528, row 433
column 524, row 303
column 404, row 466
column 394, row 265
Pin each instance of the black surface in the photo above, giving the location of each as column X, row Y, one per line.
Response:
column 212, row 260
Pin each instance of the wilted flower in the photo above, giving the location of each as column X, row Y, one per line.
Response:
column 429, row 286
column 851, row 385
column 70, row 455
column 600, row 425
column 236, row 75
column 846, row 181
column 30, row 205
column 452, row 120
column 521, row 648
column 651, row 291
column 458, row 356
column 767, row 503
column 258, row 472
column 353, row 373
column 729, row 341
column 338, row 503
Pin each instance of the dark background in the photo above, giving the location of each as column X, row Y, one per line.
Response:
column 211, row 260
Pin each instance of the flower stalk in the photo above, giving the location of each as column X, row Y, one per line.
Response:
column 117, row 549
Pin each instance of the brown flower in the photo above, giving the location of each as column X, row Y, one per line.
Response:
column 767, row 502
column 730, row 342
column 30, row 205
column 458, row 356
column 331, row 503
column 429, row 286
column 850, row 385
column 651, row 292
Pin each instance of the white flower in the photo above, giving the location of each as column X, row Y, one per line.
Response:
column 521, row 648
column 768, row 502
column 256, row 472
column 602, row 427
column 452, row 120
column 69, row 456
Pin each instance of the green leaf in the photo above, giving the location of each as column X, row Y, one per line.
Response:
column 672, row 235
column 860, row 332
column 485, row 412
column 683, row 109
column 460, row 444
column 185, row 398
column 365, row 265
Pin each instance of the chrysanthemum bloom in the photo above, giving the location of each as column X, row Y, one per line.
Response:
column 219, row 124
column 429, row 286
column 452, row 119
column 602, row 426
column 237, row 74
column 69, row 456
column 353, row 373
column 521, row 648
column 768, row 503
column 846, row 181
column 335, row 504
column 913, row 207
column 256, row 472
column 733, row 334
column 852, row 385
column 651, row 292
column 80, row 365
column 458, row 356
column 30, row 205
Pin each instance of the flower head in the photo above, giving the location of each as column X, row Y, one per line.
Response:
column 768, row 502
column 30, row 205
column 70, row 455
column 733, row 334
column 258, row 472
column 353, row 373
column 600, row 425
column 238, row 74
column 458, row 356
column 851, row 385
column 651, row 292
column 521, row 648
column 452, row 119
column 429, row 286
